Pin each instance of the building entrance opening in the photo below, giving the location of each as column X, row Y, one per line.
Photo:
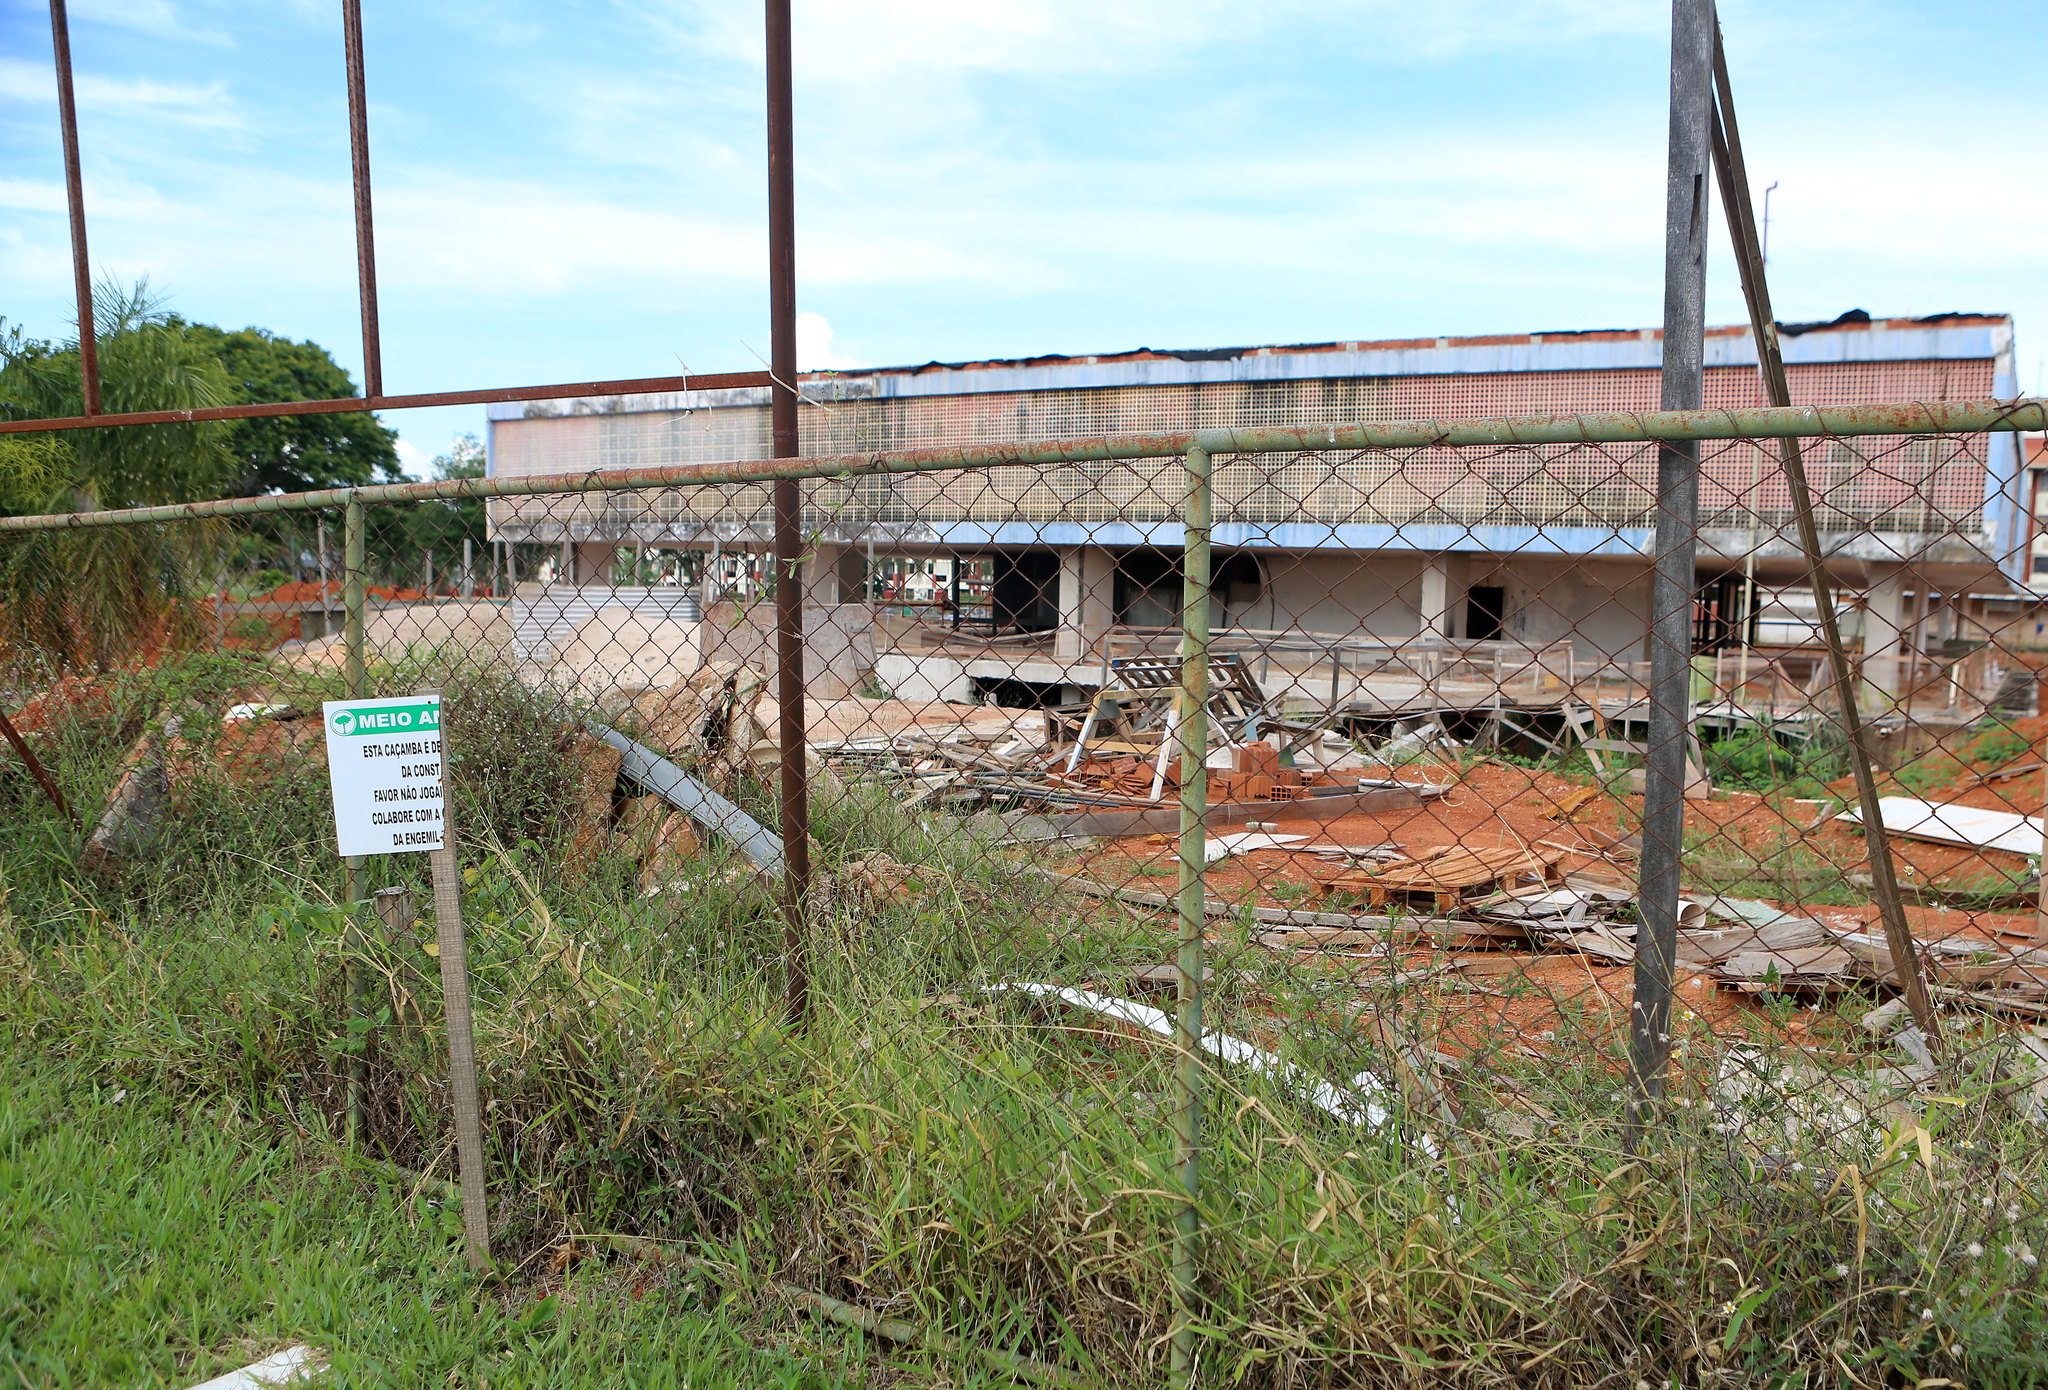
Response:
column 1486, row 607
column 1025, row 591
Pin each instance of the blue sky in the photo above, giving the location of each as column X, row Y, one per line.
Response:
column 574, row 190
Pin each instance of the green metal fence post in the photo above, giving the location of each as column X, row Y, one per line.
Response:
column 1194, row 806
column 352, row 893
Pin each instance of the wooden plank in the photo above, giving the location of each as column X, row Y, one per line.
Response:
column 1165, row 819
column 1300, row 918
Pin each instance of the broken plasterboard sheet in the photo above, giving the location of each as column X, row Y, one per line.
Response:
column 254, row 711
column 1756, row 914
column 291, row 1366
column 1948, row 824
column 1223, row 846
column 1363, row 1103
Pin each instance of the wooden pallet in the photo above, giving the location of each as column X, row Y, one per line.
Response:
column 1445, row 875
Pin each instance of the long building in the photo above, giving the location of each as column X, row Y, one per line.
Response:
column 1539, row 548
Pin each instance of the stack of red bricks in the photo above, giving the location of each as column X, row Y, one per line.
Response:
column 1256, row 775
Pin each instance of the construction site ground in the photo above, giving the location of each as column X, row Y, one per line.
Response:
column 1509, row 806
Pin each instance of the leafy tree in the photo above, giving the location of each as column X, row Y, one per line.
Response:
column 294, row 453
column 439, row 527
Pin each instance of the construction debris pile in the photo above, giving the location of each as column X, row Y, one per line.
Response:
column 1113, row 765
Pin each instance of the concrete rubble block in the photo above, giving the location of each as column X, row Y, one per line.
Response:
column 639, row 818
column 674, row 843
column 751, row 722
column 689, row 717
column 709, row 721
column 135, row 806
column 595, row 765
column 875, row 880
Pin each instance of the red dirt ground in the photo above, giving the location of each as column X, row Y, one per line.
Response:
column 1502, row 805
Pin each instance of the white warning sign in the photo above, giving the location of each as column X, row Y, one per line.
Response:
column 384, row 766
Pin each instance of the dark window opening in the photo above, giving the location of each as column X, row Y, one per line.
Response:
column 1235, row 582
column 1015, row 694
column 1025, row 591
column 1148, row 589
column 1724, row 614
column 1486, row 610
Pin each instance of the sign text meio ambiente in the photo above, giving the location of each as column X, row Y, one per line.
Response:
column 384, row 766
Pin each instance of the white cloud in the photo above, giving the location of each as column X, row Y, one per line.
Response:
column 27, row 195
column 156, row 17
column 415, row 461
column 99, row 96
column 1100, row 174
column 814, row 346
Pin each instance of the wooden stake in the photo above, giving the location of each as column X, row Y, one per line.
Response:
column 2041, row 914
column 469, row 1134
column 469, row 1131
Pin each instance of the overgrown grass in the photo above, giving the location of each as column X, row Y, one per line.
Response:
column 145, row 1241
column 1788, row 869
column 1003, row 1171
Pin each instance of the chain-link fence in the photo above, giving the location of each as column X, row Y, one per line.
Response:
column 1225, row 904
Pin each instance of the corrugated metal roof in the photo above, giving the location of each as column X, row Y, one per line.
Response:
column 1853, row 337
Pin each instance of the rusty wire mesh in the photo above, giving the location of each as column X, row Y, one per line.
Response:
column 1428, row 703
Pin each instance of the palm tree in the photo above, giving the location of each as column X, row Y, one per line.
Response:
column 93, row 597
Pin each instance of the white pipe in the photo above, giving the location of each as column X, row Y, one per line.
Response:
column 1165, row 749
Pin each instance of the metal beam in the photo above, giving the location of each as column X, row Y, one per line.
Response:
column 789, row 540
column 631, row 386
column 74, row 194
column 359, row 166
column 1198, row 514
column 1749, row 259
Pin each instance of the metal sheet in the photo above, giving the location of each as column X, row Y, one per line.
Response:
column 1948, row 824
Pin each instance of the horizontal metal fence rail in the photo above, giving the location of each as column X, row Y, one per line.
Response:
column 1905, row 418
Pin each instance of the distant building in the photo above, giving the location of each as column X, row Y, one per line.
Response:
column 1532, row 546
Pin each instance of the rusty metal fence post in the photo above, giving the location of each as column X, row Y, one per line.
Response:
column 1194, row 805
column 352, row 891
column 788, row 503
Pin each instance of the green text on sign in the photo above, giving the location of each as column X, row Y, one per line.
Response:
column 391, row 719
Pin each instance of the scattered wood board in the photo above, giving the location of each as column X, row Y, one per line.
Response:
column 1297, row 918
column 1142, row 820
column 1574, row 803
column 1445, row 874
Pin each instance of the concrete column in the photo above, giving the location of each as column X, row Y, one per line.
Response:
column 1087, row 599
column 822, row 581
column 710, row 582
column 1884, row 628
column 1436, row 596
column 591, row 564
